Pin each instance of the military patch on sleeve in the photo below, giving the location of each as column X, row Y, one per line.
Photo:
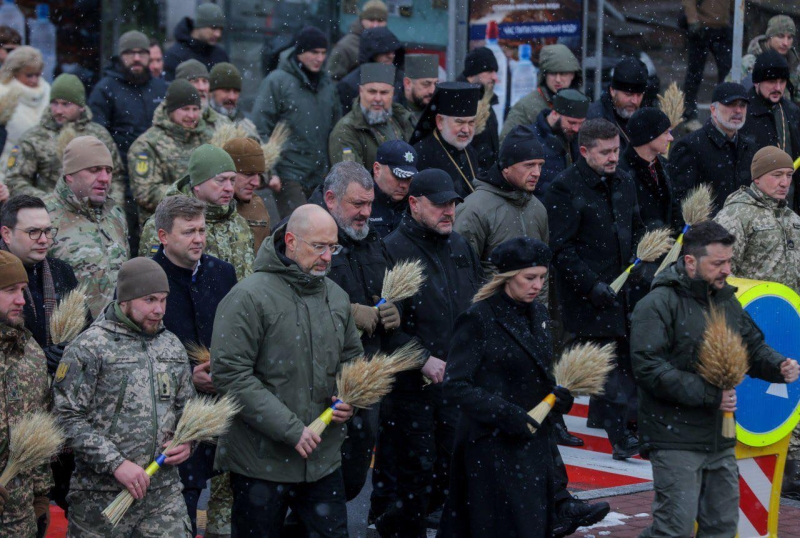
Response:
column 61, row 372
column 142, row 166
column 154, row 249
column 12, row 158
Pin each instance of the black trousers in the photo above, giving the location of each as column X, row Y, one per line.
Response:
column 719, row 41
column 62, row 469
column 357, row 448
column 421, row 429
column 195, row 472
column 260, row 506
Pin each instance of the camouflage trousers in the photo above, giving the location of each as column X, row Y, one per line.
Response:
column 18, row 525
column 794, row 444
column 219, row 505
column 161, row 514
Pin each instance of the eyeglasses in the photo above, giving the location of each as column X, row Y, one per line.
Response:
column 36, row 233
column 319, row 250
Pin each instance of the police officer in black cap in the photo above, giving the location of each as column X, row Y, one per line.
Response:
column 395, row 166
column 623, row 98
column 415, row 419
column 480, row 67
column 444, row 134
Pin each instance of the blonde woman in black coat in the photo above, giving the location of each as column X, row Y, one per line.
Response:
column 497, row 370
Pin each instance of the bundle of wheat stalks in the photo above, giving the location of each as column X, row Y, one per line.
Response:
column 226, row 132
column 69, row 317
column 274, row 146
column 67, row 135
column 696, row 208
column 32, row 442
column 672, row 104
column 484, row 110
column 402, row 281
column 8, row 105
column 582, row 370
column 203, row 419
column 653, row 245
column 198, row 353
column 722, row 360
column 363, row 382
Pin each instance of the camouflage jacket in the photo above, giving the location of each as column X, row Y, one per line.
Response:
column 34, row 164
column 94, row 241
column 239, row 120
column 119, row 394
column 160, row 157
column 228, row 236
column 760, row 44
column 214, row 120
column 767, row 234
column 24, row 388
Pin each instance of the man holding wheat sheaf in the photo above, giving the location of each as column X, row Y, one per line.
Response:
column 695, row 475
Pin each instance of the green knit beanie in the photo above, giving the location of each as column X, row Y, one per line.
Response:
column 209, row 16
column 207, row 162
column 225, row 76
column 181, row 93
column 190, row 70
column 68, row 88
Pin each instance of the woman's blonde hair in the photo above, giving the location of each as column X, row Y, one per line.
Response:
column 20, row 57
column 494, row 285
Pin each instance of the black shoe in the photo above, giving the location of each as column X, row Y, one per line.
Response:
column 564, row 438
column 574, row 513
column 627, row 448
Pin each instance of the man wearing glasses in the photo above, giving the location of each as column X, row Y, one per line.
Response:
column 211, row 179
column 280, row 337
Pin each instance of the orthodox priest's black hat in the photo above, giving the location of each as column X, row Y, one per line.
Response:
column 459, row 99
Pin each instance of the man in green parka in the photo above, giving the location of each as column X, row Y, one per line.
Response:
column 695, row 475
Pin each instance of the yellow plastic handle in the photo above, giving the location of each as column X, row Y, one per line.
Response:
column 327, row 416
column 550, row 399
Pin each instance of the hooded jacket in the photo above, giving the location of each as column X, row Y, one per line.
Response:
column 344, row 56
column 280, row 338
column 125, row 109
column 552, row 59
column 310, row 111
column 119, row 394
column 228, row 236
column 188, row 48
column 767, row 237
column 678, row 409
column 373, row 42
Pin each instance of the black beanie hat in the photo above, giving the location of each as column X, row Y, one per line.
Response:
column 646, row 125
column 520, row 145
column 310, row 38
column 479, row 61
column 520, row 253
column 770, row 65
column 630, row 75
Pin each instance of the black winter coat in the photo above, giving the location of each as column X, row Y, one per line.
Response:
column 373, row 42
column 386, row 213
column 760, row 126
column 453, row 274
column 594, row 225
column 708, row 156
column 498, row 369
column 193, row 299
column 432, row 154
column 64, row 281
column 187, row 48
column 657, row 205
column 124, row 109
column 604, row 108
column 558, row 153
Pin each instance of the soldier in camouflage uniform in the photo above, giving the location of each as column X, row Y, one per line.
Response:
column 225, row 82
column 160, row 156
column 197, row 75
column 24, row 505
column 34, row 164
column 228, row 236
column 119, row 393
column 768, row 247
column 93, row 232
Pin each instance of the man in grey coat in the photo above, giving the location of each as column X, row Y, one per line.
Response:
column 280, row 337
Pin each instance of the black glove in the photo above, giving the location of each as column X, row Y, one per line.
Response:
column 53, row 354
column 602, row 295
column 564, row 400
column 516, row 423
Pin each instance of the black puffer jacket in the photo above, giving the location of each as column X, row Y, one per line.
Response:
column 126, row 110
column 678, row 409
column 187, row 48
column 373, row 42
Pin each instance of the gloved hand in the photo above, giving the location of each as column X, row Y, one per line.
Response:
column 517, row 421
column 564, row 400
column 41, row 508
column 366, row 317
column 3, row 499
column 53, row 354
column 389, row 314
column 695, row 28
column 602, row 295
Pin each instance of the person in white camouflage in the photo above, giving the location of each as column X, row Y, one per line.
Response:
column 93, row 232
column 211, row 179
column 768, row 248
column 160, row 156
column 34, row 164
column 119, row 393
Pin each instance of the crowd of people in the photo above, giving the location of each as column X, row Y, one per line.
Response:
column 521, row 223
